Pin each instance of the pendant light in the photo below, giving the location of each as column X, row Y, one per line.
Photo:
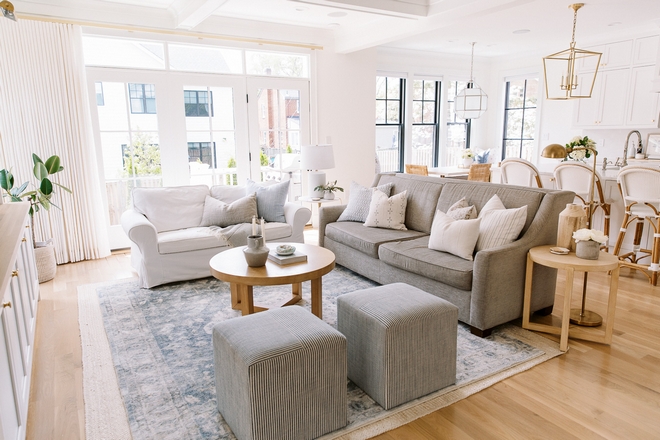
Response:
column 7, row 10
column 560, row 70
column 472, row 101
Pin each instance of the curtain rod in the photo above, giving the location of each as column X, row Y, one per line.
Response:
column 165, row 31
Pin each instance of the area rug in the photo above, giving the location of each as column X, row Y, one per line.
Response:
column 148, row 359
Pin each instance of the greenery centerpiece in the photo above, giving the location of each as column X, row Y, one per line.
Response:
column 580, row 148
column 329, row 190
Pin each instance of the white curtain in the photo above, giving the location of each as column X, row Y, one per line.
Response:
column 44, row 109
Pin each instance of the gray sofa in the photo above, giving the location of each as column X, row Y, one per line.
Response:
column 487, row 291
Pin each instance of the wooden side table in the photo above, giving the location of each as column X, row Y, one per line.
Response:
column 607, row 262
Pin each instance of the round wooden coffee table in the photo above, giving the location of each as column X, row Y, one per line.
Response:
column 230, row 266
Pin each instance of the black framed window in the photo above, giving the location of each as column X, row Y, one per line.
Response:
column 520, row 118
column 203, row 152
column 425, row 122
column 143, row 98
column 198, row 103
column 458, row 130
column 100, row 99
column 390, row 96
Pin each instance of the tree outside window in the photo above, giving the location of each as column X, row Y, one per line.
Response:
column 389, row 122
column 143, row 156
column 520, row 118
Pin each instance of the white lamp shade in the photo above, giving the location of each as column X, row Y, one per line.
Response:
column 317, row 157
column 471, row 102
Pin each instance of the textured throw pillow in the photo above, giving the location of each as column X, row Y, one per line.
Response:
column 457, row 237
column 462, row 211
column 387, row 212
column 217, row 213
column 358, row 203
column 499, row 225
column 270, row 199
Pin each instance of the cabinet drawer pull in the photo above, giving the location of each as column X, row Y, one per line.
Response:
column 6, row 304
column 14, row 273
column 24, row 240
column 27, row 226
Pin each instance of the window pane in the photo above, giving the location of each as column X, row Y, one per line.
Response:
column 417, row 112
column 429, row 90
column 387, row 148
column 527, row 150
column 393, row 88
column 392, row 112
column 380, row 112
column 530, row 124
column 516, row 94
column 418, row 91
column 380, row 87
column 512, row 149
column 136, row 106
column 423, row 139
column 205, row 59
column 429, row 112
column 514, row 124
column 99, row 94
column 115, row 52
column 451, row 112
column 222, row 108
column 532, row 92
column 277, row 64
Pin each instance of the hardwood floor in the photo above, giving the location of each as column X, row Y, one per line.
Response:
column 593, row 391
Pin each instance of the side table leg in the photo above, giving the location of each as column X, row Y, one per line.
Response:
column 527, row 299
column 566, row 314
column 611, row 305
column 317, row 289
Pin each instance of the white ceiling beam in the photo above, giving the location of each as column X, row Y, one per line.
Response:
column 190, row 13
column 411, row 8
column 444, row 14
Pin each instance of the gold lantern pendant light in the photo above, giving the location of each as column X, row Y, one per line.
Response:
column 7, row 10
column 472, row 101
column 562, row 80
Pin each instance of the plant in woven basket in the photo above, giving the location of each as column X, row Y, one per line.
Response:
column 39, row 197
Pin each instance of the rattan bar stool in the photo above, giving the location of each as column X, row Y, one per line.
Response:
column 640, row 188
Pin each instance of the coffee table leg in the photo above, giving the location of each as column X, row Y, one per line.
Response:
column 235, row 297
column 317, row 289
column 247, row 301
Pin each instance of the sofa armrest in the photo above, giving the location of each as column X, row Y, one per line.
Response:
column 297, row 216
column 328, row 214
column 140, row 231
column 498, row 282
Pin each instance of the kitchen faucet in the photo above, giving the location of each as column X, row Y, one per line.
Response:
column 624, row 162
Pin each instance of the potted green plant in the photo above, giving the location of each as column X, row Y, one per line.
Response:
column 329, row 190
column 38, row 198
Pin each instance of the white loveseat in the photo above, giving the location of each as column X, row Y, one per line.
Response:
column 168, row 243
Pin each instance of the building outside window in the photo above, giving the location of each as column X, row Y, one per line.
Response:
column 520, row 118
column 425, row 127
column 203, row 152
column 100, row 100
column 458, row 130
column 143, row 98
column 390, row 93
column 198, row 103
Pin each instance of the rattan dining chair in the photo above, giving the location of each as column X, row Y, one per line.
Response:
column 520, row 172
column 479, row 172
column 422, row 170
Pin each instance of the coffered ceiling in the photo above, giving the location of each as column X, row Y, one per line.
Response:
column 501, row 27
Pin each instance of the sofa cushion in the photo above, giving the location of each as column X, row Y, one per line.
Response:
column 171, row 208
column 386, row 212
column 217, row 213
column 366, row 240
column 359, row 200
column 190, row 239
column 270, row 199
column 227, row 193
column 276, row 231
column 422, row 196
column 416, row 257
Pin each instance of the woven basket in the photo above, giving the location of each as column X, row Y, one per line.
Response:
column 46, row 265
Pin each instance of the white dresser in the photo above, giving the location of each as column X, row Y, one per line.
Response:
column 19, row 287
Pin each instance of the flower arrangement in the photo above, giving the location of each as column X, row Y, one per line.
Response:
column 574, row 148
column 467, row 154
column 590, row 235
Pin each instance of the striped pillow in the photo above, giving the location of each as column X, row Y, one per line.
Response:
column 456, row 237
column 499, row 225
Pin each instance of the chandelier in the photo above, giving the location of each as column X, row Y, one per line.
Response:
column 7, row 10
column 472, row 101
column 562, row 80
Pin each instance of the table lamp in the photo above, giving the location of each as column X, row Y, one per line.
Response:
column 314, row 158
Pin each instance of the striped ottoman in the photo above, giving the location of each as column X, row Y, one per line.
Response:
column 401, row 342
column 280, row 374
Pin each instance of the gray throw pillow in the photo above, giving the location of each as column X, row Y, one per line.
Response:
column 217, row 213
column 270, row 200
column 359, row 200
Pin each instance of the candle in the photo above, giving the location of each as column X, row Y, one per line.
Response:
column 263, row 231
column 254, row 225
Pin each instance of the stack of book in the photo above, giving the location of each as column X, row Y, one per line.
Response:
column 296, row 257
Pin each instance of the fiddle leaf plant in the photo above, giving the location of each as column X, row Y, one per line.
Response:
column 39, row 197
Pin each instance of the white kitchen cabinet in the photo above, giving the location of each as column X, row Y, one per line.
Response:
column 20, row 294
column 646, row 50
column 607, row 105
column 643, row 105
column 614, row 56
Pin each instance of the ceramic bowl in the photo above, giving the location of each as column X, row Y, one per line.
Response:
column 285, row 249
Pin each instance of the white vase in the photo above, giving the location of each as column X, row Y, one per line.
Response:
column 329, row 195
column 467, row 162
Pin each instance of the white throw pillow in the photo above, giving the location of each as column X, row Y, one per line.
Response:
column 217, row 213
column 359, row 200
column 462, row 211
column 387, row 212
column 457, row 237
column 499, row 225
